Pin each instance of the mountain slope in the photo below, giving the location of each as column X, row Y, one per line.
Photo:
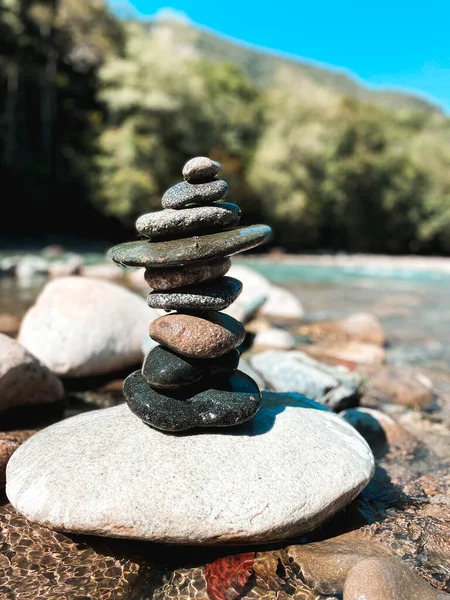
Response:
column 270, row 70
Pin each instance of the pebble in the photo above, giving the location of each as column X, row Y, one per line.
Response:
column 174, row 224
column 107, row 473
column 224, row 403
column 185, row 193
column 175, row 253
column 324, row 565
column 164, row 369
column 200, row 169
column 208, row 336
column 388, row 579
column 293, row 371
column 403, row 386
column 173, row 277
column 209, row 295
column 24, row 381
column 273, row 337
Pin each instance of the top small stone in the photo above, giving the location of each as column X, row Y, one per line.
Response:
column 200, row 170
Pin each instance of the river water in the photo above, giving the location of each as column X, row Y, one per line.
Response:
column 413, row 305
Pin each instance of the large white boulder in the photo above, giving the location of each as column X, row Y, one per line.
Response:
column 81, row 326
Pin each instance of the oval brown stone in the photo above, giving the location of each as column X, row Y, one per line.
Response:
column 208, row 336
column 170, row 278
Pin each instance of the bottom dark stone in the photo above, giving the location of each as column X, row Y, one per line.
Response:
column 231, row 402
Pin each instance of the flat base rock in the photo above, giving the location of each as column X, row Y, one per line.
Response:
column 222, row 403
column 107, row 473
column 190, row 250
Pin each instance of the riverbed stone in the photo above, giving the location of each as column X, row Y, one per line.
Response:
column 175, row 253
column 175, row 224
column 80, row 326
column 165, row 369
column 206, row 336
column 388, row 579
column 209, row 295
column 24, row 380
column 200, row 169
column 325, row 565
column 185, row 193
column 221, row 403
column 108, row 473
column 294, row 371
column 174, row 277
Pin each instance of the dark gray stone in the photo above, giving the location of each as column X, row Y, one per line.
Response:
column 190, row 250
column 175, row 224
column 228, row 403
column 164, row 369
column 185, row 193
column 175, row 277
column 217, row 294
column 200, row 169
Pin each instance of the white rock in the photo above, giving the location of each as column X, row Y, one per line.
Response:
column 282, row 304
column 254, row 293
column 81, row 326
column 248, row 370
column 23, row 379
column 295, row 371
column 31, row 266
column 273, row 338
column 103, row 271
column 107, row 473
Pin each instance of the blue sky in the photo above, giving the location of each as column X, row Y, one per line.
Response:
column 388, row 43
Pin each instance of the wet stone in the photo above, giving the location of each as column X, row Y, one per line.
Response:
column 206, row 336
column 209, row 295
column 190, row 250
column 227, row 403
column 175, row 224
column 185, row 193
column 200, row 169
column 174, row 277
column 164, row 369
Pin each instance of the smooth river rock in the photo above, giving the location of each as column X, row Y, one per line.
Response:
column 185, row 193
column 107, row 473
column 218, row 403
column 24, row 381
column 200, row 169
column 209, row 295
column 194, row 249
column 293, row 371
column 164, row 369
column 208, row 336
column 80, row 326
column 175, row 224
column 388, row 579
column 173, row 277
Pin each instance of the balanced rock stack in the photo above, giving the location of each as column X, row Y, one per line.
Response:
column 191, row 379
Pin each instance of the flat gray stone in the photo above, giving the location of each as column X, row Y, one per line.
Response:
column 294, row 371
column 209, row 295
column 175, row 224
column 277, row 476
column 173, row 277
column 190, row 250
column 200, row 169
column 184, row 194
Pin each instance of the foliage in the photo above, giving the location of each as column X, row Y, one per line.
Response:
column 98, row 116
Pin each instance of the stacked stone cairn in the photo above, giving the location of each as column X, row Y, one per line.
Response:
column 191, row 379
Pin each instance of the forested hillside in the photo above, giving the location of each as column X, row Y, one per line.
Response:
column 97, row 116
